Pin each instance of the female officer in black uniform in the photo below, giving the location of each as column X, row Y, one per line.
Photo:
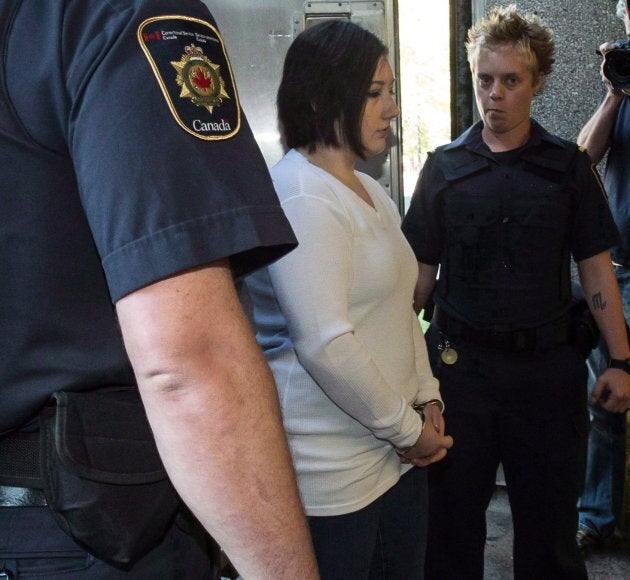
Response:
column 500, row 211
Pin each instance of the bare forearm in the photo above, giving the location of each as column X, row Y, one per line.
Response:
column 604, row 300
column 228, row 459
column 595, row 135
column 424, row 285
column 212, row 404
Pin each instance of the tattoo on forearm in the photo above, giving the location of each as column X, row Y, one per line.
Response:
column 598, row 302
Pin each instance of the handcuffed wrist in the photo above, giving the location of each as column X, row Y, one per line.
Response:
column 425, row 404
column 418, row 408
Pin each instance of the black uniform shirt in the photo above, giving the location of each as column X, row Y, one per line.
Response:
column 502, row 227
column 124, row 158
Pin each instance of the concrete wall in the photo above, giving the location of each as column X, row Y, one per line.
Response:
column 574, row 87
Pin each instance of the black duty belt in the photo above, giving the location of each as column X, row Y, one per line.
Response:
column 20, row 483
column 556, row 333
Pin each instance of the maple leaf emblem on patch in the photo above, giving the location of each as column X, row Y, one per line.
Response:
column 199, row 79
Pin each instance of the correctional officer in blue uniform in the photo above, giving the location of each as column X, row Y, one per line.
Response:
column 500, row 211
column 132, row 194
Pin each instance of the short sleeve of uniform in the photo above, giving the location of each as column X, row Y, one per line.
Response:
column 422, row 224
column 594, row 230
column 167, row 169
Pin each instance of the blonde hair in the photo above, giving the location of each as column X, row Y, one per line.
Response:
column 506, row 26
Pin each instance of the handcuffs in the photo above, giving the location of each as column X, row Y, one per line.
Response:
column 419, row 408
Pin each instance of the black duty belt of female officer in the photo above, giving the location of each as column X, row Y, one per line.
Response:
column 544, row 337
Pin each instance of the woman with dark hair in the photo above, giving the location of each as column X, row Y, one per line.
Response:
column 335, row 317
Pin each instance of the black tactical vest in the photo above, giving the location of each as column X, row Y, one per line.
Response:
column 506, row 260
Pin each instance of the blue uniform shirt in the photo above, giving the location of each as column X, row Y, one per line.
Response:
column 617, row 180
column 124, row 158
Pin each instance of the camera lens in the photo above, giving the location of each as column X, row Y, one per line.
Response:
column 617, row 67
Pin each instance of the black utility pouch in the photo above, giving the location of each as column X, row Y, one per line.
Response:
column 103, row 478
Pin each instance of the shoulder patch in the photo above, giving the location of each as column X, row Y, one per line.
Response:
column 189, row 61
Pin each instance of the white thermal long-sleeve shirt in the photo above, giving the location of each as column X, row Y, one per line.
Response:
column 336, row 323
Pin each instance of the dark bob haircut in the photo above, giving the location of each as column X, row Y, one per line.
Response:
column 327, row 75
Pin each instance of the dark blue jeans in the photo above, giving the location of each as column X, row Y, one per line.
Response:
column 600, row 504
column 33, row 546
column 528, row 412
column 383, row 541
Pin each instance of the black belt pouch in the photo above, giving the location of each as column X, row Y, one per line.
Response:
column 103, row 478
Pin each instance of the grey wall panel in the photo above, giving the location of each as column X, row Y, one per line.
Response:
column 258, row 33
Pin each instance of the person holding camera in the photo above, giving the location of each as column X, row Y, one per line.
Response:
column 500, row 211
column 608, row 131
